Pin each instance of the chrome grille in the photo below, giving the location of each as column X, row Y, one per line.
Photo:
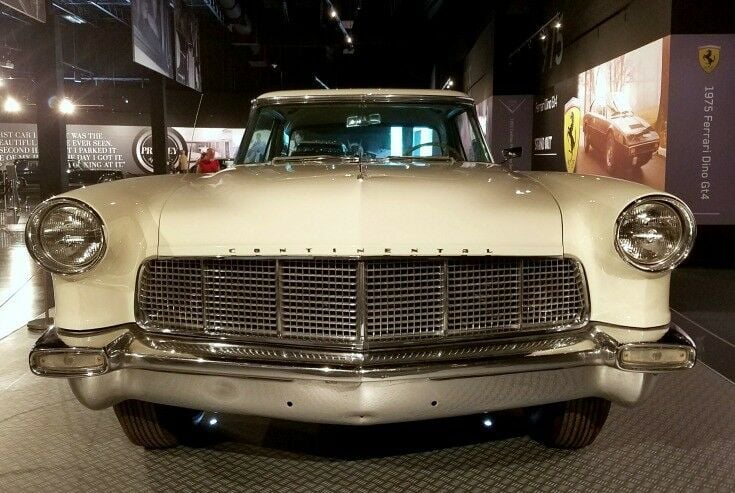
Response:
column 484, row 296
column 318, row 299
column 238, row 297
column 404, row 299
column 361, row 301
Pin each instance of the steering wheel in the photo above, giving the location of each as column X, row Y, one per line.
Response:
column 432, row 144
column 446, row 150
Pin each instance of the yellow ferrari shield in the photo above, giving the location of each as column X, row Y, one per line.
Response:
column 709, row 57
column 572, row 123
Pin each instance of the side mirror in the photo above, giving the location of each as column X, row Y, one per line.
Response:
column 512, row 153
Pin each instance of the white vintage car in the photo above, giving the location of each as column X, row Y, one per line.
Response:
column 399, row 274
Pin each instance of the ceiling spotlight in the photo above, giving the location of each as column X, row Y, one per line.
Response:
column 73, row 19
column 66, row 106
column 448, row 84
column 11, row 105
column 126, row 100
column 543, row 35
column 557, row 24
column 348, row 38
column 333, row 13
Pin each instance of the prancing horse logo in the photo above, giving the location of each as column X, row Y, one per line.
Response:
column 572, row 122
column 709, row 57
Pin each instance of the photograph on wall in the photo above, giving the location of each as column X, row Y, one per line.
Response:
column 610, row 120
column 35, row 9
column 152, row 24
column 617, row 123
column 188, row 61
column 117, row 147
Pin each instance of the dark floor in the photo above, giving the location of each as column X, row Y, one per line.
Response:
column 682, row 439
column 703, row 303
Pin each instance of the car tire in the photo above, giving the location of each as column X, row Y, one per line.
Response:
column 570, row 424
column 642, row 160
column 610, row 154
column 154, row 426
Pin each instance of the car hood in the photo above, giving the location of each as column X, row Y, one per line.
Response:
column 345, row 211
column 631, row 125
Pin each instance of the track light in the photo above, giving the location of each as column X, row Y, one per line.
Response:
column 542, row 36
column 557, row 24
column 11, row 105
column 448, row 84
column 333, row 13
column 66, row 106
column 348, row 38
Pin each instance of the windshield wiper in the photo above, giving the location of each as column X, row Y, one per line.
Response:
column 411, row 160
column 324, row 159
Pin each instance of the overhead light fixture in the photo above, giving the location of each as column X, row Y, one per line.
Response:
column 542, row 36
column 557, row 24
column 448, row 84
column 11, row 105
column 348, row 38
column 333, row 13
column 66, row 106
column 73, row 19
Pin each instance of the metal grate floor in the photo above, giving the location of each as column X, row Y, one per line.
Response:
column 682, row 439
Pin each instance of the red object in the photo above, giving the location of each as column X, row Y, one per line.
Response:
column 206, row 166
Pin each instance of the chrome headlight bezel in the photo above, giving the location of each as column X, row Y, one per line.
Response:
column 35, row 246
column 686, row 242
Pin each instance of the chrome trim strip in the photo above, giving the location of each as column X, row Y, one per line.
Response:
column 136, row 350
column 361, row 98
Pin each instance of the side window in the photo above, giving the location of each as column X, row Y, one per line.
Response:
column 468, row 137
column 259, row 142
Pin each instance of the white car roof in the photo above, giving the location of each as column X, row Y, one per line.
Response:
column 362, row 92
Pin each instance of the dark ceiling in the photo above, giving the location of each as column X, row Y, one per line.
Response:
column 287, row 42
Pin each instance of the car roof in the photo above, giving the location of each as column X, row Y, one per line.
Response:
column 323, row 94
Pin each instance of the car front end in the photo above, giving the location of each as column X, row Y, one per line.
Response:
column 349, row 292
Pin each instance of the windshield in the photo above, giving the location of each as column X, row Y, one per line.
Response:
column 363, row 132
column 619, row 105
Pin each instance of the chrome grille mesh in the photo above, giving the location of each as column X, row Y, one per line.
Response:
column 484, row 296
column 351, row 301
column 239, row 296
column 404, row 299
column 318, row 298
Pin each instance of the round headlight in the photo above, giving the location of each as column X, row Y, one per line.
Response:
column 65, row 236
column 655, row 233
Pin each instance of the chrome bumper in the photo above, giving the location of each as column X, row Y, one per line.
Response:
column 107, row 366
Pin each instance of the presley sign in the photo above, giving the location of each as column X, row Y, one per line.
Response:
column 127, row 148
